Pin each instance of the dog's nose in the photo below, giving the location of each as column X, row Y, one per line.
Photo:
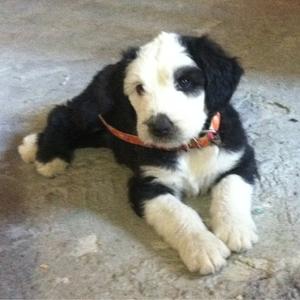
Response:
column 160, row 125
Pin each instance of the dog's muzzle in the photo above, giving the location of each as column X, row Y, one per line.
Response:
column 161, row 126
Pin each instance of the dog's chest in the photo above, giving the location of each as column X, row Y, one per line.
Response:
column 196, row 169
column 200, row 168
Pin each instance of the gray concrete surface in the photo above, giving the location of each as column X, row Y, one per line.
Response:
column 75, row 236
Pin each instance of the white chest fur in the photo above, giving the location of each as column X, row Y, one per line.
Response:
column 202, row 167
column 196, row 170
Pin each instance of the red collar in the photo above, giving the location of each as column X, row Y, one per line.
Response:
column 201, row 142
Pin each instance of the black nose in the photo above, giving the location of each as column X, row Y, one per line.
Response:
column 160, row 125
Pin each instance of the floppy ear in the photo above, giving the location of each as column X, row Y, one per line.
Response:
column 222, row 72
column 106, row 88
column 96, row 98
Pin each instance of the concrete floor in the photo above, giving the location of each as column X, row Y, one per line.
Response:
column 75, row 236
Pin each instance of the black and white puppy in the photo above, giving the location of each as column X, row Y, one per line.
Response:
column 166, row 93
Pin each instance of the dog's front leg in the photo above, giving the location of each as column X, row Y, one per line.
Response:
column 231, row 213
column 180, row 226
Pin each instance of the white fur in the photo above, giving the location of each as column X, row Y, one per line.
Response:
column 181, row 226
column 52, row 168
column 28, row 148
column 196, row 170
column 154, row 67
column 168, row 177
column 231, row 213
column 183, row 229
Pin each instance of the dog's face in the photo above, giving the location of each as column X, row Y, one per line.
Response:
column 166, row 88
column 169, row 84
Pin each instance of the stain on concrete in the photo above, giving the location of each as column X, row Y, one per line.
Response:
column 86, row 245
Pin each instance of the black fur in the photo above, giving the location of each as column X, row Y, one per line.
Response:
column 222, row 73
column 76, row 123
column 189, row 80
column 142, row 189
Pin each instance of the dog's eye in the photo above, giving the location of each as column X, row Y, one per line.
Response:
column 140, row 89
column 184, row 83
column 189, row 80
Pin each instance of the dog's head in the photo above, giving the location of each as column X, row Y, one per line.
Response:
column 175, row 84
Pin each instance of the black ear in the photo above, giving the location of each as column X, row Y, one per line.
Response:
column 97, row 95
column 130, row 54
column 222, row 72
column 106, row 88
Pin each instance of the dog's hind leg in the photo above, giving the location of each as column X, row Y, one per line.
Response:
column 52, row 149
column 70, row 126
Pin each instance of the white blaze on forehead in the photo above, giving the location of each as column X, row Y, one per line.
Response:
column 156, row 62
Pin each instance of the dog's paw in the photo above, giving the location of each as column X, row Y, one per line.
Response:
column 203, row 252
column 238, row 235
column 52, row 168
column 28, row 148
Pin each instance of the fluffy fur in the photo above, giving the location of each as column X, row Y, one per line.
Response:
column 166, row 92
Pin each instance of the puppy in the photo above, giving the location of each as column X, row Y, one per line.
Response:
column 164, row 110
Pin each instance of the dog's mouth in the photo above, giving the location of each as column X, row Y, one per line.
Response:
column 159, row 134
column 171, row 140
column 160, row 131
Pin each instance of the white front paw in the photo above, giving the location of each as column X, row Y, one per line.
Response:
column 238, row 234
column 203, row 252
